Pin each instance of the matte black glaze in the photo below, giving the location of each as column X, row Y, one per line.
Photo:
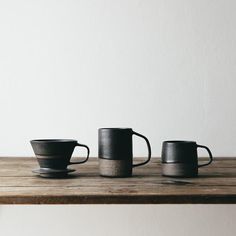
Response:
column 180, row 158
column 179, row 151
column 53, row 146
column 117, row 144
column 56, row 153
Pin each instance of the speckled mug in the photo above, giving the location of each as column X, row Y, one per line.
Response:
column 180, row 158
column 115, row 151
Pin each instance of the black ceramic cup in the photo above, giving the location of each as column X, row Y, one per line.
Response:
column 180, row 158
column 56, row 153
column 115, row 151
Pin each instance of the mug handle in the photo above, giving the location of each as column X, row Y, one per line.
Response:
column 149, row 149
column 210, row 155
column 88, row 151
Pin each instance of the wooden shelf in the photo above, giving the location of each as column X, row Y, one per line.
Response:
column 18, row 185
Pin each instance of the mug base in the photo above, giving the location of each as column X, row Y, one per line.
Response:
column 115, row 168
column 179, row 170
column 116, row 176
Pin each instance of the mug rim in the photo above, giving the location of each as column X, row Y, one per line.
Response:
column 53, row 140
column 179, row 142
column 114, row 128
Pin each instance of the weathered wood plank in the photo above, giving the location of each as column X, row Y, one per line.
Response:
column 18, row 185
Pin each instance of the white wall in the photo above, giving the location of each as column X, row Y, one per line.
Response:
column 166, row 68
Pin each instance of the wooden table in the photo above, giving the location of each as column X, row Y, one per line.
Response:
column 18, row 185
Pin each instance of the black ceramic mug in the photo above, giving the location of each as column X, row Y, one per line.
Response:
column 115, row 151
column 56, row 153
column 180, row 158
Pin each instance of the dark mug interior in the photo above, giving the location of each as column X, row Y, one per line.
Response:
column 53, row 153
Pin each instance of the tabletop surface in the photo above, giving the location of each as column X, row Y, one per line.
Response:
column 18, row 185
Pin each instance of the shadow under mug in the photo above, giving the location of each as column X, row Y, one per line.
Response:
column 180, row 158
column 115, row 151
column 56, row 153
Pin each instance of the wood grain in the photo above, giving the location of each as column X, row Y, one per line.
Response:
column 216, row 184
